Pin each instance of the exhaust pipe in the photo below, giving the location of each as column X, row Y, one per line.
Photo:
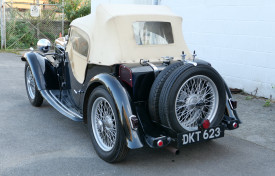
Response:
column 173, row 150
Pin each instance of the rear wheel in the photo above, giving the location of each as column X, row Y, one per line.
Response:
column 191, row 94
column 33, row 93
column 104, row 127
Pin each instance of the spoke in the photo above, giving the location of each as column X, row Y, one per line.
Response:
column 180, row 107
column 197, row 89
column 105, row 122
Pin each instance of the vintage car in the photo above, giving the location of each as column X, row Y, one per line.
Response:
column 127, row 73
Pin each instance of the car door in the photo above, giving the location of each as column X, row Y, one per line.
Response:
column 77, row 52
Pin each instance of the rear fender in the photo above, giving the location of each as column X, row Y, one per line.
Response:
column 123, row 105
column 43, row 71
column 231, row 112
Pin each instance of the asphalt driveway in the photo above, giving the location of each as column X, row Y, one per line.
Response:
column 41, row 141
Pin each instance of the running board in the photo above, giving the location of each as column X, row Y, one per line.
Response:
column 60, row 107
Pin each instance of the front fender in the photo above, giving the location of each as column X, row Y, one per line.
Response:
column 123, row 105
column 43, row 71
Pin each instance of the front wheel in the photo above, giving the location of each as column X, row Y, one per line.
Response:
column 104, row 127
column 33, row 93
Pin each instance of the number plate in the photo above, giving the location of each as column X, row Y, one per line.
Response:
column 198, row 136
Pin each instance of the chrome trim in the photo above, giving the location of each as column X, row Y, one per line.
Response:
column 183, row 56
column 167, row 60
column 143, row 61
column 59, row 106
column 159, row 142
column 194, row 55
column 131, row 123
column 191, row 62
column 43, row 45
column 78, row 92
column 195, row 103
column 230, row 104
column 65, row 107
column 155, row 68
column 104, row 124
column 146, row 62
column 30, row 82
column 234, row 124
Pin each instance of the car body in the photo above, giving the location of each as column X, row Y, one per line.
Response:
column 127, row 73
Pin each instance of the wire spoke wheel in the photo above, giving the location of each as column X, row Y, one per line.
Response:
column 198, row 98
column 103, row 124
column 33, row 93
column 30, row 83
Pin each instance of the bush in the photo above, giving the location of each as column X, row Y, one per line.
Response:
column 21, row 35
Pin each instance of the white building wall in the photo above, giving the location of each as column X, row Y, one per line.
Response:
column 236, row 36
column 95, row 3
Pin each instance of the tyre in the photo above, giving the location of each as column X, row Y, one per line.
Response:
column 156, row 88
column 104, row 126
column 191, row 94
column 33, row 93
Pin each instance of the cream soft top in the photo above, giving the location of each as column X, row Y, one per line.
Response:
column 111, row 34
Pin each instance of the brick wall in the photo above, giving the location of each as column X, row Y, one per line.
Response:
column 236, row 36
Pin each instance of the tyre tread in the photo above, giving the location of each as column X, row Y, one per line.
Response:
column 156, row 90
column 120, row 151
column 163, row 111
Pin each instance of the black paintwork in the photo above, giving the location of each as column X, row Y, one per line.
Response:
column 60, row 96
column 45, row 73
column 236, row 116
column 122, row 101
column 91, row 72
column 57, row 85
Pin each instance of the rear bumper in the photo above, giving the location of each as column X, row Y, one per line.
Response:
column 153, row 136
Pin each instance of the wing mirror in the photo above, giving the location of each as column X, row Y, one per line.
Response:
column 44, row 45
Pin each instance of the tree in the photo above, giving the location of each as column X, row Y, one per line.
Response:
column 76, row 8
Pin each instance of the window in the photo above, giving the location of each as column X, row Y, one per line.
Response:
column 153, row 33
column 79, row 42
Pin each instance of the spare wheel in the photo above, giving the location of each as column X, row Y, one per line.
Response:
column 192, row 94
column 156, row 88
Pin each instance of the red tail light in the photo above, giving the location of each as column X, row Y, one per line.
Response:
column 235, row 125
column 125, row 74
column 160, row 143
column 206, row 124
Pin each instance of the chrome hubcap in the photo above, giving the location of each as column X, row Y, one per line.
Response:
column 198, row 98
column 100, row 126
column 30, row 83
column 103, row 124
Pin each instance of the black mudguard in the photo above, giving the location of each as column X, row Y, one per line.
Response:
column 43, row 71
column 123, row 104
column 231, row 112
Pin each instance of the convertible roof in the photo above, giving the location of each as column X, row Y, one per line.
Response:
column 109, row 11
column 112, row 38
